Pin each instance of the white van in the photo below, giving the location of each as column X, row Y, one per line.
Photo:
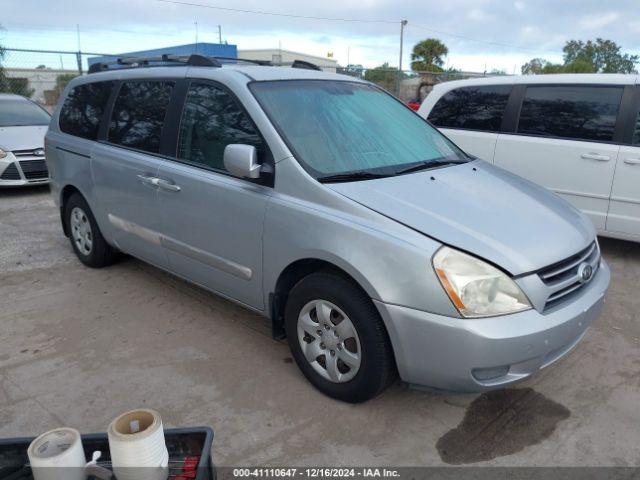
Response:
column 578, row 135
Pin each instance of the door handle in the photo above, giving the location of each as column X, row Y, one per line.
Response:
column 632, row 161
column 153, row 181
column 596, row 156
column 167, row 185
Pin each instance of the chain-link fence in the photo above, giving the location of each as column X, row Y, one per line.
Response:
column 42, row 75
column 408, row 85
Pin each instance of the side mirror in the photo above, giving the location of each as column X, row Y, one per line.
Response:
column 242, row 161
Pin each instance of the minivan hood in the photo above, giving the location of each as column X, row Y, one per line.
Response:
column 482, row 209
column 22, row 138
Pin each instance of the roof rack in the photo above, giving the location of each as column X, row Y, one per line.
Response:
column 193, row 60
column 305, row 65
column 265, row 63
column 268, row 63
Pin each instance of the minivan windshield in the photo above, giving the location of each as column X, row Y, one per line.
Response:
column 15, row 112
column 343, row 130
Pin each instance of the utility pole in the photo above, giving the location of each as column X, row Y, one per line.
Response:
column 78, row 53
column 220, row 34
column 196, row 24
column 403, row 23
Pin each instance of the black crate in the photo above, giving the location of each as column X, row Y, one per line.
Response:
column 181, row 443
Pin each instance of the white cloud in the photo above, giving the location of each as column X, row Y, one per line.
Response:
column 634, row 26
column 479, row 15
column 516, row 28
column 529, row 30
column 598, row 21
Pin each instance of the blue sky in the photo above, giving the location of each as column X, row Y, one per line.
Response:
column 479, row 33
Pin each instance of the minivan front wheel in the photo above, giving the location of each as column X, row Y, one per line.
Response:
column 86, row 240
column 329, row 341
column 337, row 338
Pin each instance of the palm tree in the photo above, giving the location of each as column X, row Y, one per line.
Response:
column 428, row 55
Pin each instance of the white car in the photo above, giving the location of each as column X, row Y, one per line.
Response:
column 23, row 125
column 578, row 135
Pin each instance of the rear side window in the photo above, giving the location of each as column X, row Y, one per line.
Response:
column 473, row 108
column 138, row 114
column 577, row 112
column 83, row 108
column 211, row 120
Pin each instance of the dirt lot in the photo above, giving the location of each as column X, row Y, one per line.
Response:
column 78, row 346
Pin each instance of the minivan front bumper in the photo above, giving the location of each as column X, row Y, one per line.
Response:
column 468, row 355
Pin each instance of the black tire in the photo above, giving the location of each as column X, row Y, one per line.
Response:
column 100, row 254
column 377, row 368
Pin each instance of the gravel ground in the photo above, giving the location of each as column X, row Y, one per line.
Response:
column 79, row 346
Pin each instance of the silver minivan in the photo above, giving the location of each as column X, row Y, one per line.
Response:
column 373, row 244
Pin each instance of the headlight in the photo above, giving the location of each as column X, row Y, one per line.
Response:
column 476, row 288
column 2, row 153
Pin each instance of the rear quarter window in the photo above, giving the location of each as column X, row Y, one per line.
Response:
column 472, row 108
column 571, row 111
column 83, row 108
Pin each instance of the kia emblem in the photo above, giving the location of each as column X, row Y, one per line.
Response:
column 585, row 271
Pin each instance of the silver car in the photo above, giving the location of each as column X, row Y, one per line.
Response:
column 373, row 244
column 23, row 125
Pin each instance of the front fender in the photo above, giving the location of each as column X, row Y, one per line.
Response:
column 392, row 263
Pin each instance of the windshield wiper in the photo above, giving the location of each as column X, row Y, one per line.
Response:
column 351, row 176
column 428, row 164
column 367, row 175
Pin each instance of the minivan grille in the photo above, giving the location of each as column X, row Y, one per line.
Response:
column 10, row 173
column 34, row 169
column 564, row 279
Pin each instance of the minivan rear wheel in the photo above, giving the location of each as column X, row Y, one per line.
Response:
column 86, row 240
column 338, row 339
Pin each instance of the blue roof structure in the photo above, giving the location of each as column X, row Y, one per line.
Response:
column 206, row 49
